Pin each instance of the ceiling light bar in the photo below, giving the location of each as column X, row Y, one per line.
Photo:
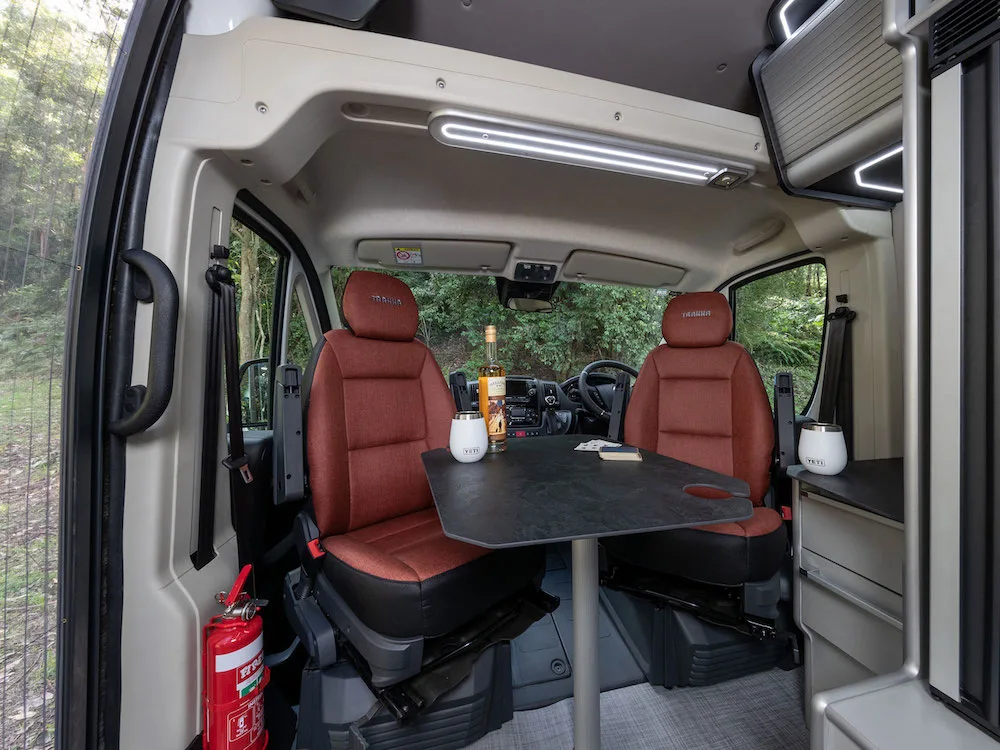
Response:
column 859, row 178
column 578, row 148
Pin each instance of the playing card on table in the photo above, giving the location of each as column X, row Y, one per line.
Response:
column 596, row 445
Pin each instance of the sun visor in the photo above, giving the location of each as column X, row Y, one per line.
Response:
column 436, row 255
column 591, row 265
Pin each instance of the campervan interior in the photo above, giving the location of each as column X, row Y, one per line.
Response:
column 699, row 228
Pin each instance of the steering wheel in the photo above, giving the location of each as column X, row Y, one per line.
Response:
column 604, row 392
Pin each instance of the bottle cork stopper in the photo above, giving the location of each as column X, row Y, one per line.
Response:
column 491, row 333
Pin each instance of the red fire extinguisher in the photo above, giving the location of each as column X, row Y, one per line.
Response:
column 233, row 674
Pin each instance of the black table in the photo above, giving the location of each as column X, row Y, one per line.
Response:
column 541, row 490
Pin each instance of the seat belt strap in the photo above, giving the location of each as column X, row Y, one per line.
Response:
column 837, row 372
column 204, row 552
column 237, row 461
column 223, row 324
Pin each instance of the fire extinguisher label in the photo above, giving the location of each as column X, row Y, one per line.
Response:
column 248, row 685
column 235, row 659
column 246, row 724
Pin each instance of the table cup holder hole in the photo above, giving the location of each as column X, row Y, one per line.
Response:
column 707, row 491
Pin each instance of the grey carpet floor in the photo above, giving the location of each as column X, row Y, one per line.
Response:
column 759, row 712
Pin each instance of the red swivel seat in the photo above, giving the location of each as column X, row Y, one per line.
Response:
column 699, row 398
column 376, row 400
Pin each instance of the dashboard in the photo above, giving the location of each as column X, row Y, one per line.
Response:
column 534, row 407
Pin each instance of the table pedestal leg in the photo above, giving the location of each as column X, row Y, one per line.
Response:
column 586, row 681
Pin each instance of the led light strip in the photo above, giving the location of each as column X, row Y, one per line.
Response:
column 859, row 172
column 789, row 32
column 579, row 149
column 559, row 148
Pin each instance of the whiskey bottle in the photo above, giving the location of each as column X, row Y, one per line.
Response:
column 493, row 395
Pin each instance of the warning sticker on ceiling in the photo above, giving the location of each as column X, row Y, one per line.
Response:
column 409, row 256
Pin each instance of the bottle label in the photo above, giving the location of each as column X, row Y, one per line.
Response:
column 492, row 397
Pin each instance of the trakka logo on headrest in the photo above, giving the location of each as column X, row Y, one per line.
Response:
column 387, row 300
column 697, row 314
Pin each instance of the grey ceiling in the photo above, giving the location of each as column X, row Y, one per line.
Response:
column 671, row 46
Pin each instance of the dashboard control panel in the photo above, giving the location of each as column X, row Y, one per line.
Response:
column 523, row 403
column 534, row 407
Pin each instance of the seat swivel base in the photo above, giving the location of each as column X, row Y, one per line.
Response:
column 449, row 659
column 674, row 648
column 336, row 701
column 723, row 606
column 406, row 674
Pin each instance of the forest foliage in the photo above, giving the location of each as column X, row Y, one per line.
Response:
column 589, row 322
column 779, row 318
column 56, row 58
column 55, row 62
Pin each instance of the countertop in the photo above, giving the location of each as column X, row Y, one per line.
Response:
column 875, row 486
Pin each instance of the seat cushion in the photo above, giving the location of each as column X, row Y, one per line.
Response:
column 404, row 578
column 725, row 554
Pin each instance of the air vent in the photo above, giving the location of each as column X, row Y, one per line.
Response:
column 962, row 30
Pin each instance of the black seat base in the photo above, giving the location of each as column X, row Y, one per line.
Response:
column 408, row 675
column 675, row 648
column 336, row 701
column 752, row 609
column 449, row 659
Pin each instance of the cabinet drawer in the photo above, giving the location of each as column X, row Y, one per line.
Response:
column 865, row 543
column 868, row 633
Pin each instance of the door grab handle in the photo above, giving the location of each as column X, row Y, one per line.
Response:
column 152, row 283
column 863, row 604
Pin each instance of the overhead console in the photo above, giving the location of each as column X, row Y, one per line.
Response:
column 592, row 265
column 830, row 94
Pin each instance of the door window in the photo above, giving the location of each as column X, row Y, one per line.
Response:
column 780, row 318
column 300, row 335
column 259, row 272
column 55, row 62
column 256, row 269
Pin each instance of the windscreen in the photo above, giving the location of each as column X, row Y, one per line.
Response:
column 588, row 322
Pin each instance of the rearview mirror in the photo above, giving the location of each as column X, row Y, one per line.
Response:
column 526, row 296
column 255, row 392
column 523, row 304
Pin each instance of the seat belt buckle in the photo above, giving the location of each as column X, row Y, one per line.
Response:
column 786, row 512
column 315, row 550
column 242, row 463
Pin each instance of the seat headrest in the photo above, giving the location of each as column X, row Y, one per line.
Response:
column 377, row 306
column 697, row 320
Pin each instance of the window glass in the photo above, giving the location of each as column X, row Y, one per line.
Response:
column 300, row 342
column 780, row 319
column 56, row 59
column 254, row 264
column 589, row 322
